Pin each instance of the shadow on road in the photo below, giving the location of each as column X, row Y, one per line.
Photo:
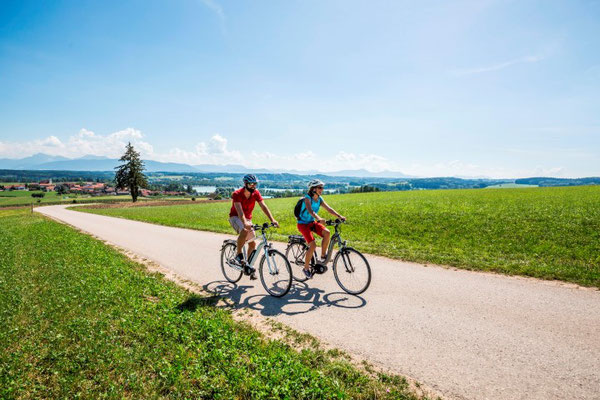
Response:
column 300, row 299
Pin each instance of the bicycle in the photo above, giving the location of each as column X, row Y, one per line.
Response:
column 277, row 273
column 352, row 273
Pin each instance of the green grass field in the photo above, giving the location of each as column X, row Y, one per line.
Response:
column 21, row 197
column 510, row 186
column 549, row 233
column 80, row 320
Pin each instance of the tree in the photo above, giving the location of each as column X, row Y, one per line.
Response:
column 62, row 189
column 38, row 195
column 130, row 174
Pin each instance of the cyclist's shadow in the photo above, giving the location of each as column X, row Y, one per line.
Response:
column 228, row 291
column 301, row 299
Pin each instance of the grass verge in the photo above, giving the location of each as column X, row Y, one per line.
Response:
column 80, row 320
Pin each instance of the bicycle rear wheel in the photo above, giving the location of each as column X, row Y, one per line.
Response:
column 275, row 273
column 296, row 255
column 229, row 252
column 352, row 271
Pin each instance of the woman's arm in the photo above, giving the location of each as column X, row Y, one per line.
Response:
column 331, row 210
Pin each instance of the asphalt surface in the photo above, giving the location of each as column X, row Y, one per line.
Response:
column 466, row 334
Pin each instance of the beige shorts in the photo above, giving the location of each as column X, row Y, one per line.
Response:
column 237, row 224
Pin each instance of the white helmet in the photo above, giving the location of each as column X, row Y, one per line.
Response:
column 315, row 183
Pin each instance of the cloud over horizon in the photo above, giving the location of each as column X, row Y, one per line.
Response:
column 217, row 151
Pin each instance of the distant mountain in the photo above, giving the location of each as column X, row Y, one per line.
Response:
column 100, row 163
column 93, row 157
column 29, row 162
column 86, row 163
column 363, row 173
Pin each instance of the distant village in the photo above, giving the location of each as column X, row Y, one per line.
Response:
column 87, row 188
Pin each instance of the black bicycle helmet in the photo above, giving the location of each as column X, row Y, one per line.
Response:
column 250, row 178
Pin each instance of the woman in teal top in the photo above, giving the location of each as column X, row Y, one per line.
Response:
column 309, row 222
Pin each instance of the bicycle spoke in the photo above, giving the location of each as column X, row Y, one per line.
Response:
column 355, row 275
column 296, row 255
column 275, row 273
column 231, row 273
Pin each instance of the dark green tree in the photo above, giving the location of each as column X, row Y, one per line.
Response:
column 62, row 189
column 131, row 173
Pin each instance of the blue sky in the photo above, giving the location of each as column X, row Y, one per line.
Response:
column 465, row 88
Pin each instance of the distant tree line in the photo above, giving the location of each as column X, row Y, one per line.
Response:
column 545, row 182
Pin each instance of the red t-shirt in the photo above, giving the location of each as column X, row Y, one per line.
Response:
column 247, row 203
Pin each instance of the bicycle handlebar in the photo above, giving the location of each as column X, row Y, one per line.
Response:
column 337, row 221
column 266, row 225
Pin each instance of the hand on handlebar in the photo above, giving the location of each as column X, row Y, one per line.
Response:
column 275, row 224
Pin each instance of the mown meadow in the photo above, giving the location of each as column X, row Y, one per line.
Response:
column 22, row 197
column 80, row 320
column 549, row 233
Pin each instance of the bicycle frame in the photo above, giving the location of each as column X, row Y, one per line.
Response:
column 263, row 245
column 335, row 238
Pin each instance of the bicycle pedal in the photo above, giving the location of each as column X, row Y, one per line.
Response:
column 252, row 276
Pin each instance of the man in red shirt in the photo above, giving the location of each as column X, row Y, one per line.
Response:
column 240, row 215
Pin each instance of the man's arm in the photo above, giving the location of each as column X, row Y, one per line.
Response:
column 267, row 212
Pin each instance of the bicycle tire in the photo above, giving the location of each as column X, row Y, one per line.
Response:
column 229, row 251
column 349, row 268
column 283, row 276
column 297, row 252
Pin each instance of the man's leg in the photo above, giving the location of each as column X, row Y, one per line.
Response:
column 251, row 247
column 241, row 241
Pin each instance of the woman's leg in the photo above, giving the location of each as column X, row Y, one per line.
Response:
column 326, row 238
column 309, row 253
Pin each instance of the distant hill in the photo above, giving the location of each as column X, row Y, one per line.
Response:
column 86, row 163
column 29, row 162
column 99, row 163
column 544, row 181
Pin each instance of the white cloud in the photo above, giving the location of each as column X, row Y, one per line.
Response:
column 499, row 66
column 217, row 145
column 459, row 168
column 51, row 141
column 215, row 7
column 217, row 151
column 83, row 143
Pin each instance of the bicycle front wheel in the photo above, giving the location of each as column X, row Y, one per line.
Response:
column 352, row 271
column 229, row 252
column 296, row 255
column 275, row 273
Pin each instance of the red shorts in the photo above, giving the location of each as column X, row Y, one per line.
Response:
column 307, row 230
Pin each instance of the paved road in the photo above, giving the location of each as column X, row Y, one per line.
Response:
column 468, row 335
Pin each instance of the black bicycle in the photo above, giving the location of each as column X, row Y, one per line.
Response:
column 350, row 268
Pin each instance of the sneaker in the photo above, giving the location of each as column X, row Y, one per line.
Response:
column 253, row 276
column 307, row 273
column 322, row 260
column 248, row 270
